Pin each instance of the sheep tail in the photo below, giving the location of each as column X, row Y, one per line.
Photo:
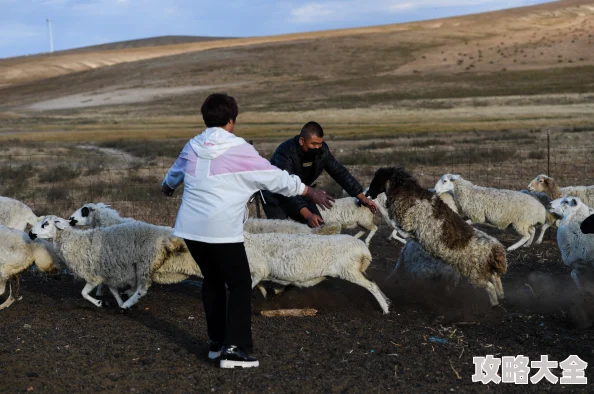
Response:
column 498, row 261
column 330, row 229
column 365, row 260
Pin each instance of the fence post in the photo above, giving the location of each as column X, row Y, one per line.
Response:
column 548, row 152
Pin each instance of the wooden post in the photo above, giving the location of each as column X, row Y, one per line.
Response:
column 548, row 152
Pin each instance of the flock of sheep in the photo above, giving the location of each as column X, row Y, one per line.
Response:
column 127, row 255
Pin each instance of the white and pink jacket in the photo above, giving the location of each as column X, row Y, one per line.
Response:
column 220, row 173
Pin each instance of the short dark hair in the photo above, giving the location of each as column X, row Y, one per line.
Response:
column 218, row 109
column 311, row 129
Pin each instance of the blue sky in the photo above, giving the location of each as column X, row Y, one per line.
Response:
column 77, row 23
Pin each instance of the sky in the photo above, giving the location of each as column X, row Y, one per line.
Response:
column 78, row 23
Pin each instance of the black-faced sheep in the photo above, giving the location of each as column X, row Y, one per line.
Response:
column 444, row 234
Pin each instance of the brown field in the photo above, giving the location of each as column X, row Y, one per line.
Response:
column 56, row 341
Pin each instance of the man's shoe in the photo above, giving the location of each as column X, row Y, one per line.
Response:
column 232, row 356
column 214, row 350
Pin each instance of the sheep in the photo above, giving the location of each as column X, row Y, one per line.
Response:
column 177, row 267
column 548, row 185
column 550, row 219
column 15, row 214
column 118, row 255
column 499, row 207
column 348, row 214
column 305, row 260
column 102, row 215
column 415, row 262
column 441, row 232
column 259, row 226
column 17, row 254
column 577, row 248
column 398, row 234
column 97, row 215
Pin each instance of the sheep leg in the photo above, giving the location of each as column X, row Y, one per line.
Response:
column 521, row 242
column 10, row 300
column 16, row 280
column 490, row 289
column 2, row 286
column 370, row 235
column 99, row 291
column 359, row 234
column 496, row 281
column 394, row 235
column 85, row 293
column 542, row 232
column 116, row 295
column 359, row 278
column 262, row 289
column 140, row 292
column 532, row 232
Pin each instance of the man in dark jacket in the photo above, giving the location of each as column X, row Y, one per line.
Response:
column 306, row 156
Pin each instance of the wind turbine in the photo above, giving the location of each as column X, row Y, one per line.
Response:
column 51, row 38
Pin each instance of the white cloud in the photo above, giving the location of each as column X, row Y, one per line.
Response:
column 333, row 10
column 14, row 33
column 105, row 7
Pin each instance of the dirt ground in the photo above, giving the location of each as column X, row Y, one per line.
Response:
column 54, row 341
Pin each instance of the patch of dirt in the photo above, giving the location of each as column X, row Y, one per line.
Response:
column 55, row 341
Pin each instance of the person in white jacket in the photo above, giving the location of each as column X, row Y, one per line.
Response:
column 220, row 172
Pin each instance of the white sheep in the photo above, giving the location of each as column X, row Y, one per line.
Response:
column 118, row 255
column 416, row 263
column 15, row 214
column 550, row 219
column 17, row 254
column 500, row 207
column 305, row 260
column 259, row 226
column 97, row 215
column 442, row 233
column 577, row 248
column 348, row 214
column 176, row 268
column 548, row 185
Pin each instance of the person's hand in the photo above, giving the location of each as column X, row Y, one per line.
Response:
column 166, row 190
column 368, row 203
column 319, row 197
column 314, row 220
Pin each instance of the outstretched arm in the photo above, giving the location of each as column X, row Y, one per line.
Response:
column 343, row 177
column 175, row 175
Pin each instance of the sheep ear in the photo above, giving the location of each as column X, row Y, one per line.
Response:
column 454, row 177
column 59, row 224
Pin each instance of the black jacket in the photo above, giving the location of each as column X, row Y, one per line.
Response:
column 288, row 156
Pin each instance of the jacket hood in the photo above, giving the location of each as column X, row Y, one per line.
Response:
column 213, row 142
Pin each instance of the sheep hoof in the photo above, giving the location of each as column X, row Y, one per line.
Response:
column 99, row 304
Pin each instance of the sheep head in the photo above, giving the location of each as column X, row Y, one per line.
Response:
column 387, row 177
column 568, row 206
column 446, row 183
column 48, row 227
column 541, row 183
column 82, row 215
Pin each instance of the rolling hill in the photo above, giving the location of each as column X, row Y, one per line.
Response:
column 535, row 58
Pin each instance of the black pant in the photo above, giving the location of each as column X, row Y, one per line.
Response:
column 227, row 264
column 277, row 207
